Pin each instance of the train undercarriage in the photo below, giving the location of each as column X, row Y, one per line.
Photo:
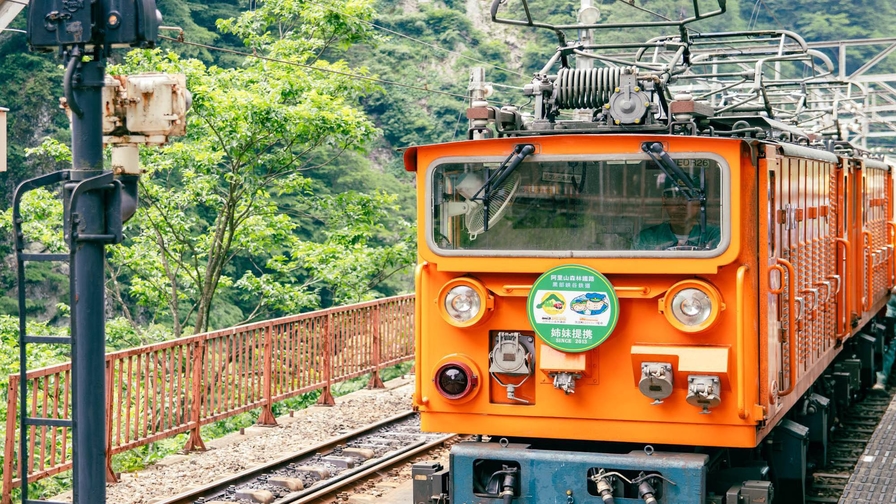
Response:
column 493, row 469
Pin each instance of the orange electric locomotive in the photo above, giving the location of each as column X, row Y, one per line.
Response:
column 624, row 303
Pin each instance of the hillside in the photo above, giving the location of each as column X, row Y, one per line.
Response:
column 415, row 57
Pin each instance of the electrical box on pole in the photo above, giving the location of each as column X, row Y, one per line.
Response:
column 110, row 23
column 142, row 109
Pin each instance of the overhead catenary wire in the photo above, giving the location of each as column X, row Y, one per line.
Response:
column 505, row 86
column 772, row 14
column 631, row 3
column 754, row 15
column 310, row 67
column 421, row 42
column 642, row 9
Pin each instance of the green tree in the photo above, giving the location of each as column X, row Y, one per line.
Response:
column 226, row 194
column 358, row 252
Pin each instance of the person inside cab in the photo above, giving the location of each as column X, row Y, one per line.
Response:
column 681, row 229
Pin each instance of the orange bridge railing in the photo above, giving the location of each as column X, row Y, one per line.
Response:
column 156, row 391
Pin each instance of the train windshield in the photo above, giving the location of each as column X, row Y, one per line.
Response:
column 590, row 206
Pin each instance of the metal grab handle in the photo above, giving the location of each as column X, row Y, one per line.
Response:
column 869, row 271
column 827, row 290
column 814, row 293
column 781, row 272
column 847, row 298
column 741, row 358
column 418, row 330
column 891, row 235
column 837, row 290
column 791, row 325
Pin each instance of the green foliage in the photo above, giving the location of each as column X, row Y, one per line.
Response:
column 221, row 209
column 41, row 213
column 144, row 456
column 210, row 199
column 30, row 85
column 291, row 28
column 52, row 150
column 121, row 334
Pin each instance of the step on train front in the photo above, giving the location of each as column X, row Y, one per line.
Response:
column 655, row 287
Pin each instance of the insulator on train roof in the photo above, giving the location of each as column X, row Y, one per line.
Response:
column 479, row 112
column 685, row 108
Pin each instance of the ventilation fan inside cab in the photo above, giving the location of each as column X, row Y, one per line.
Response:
column 473, row 208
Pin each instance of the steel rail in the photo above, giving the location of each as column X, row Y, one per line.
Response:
column 329, row 488
column 190, row 496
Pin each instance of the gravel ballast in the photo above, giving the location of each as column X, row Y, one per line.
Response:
column 257, row 445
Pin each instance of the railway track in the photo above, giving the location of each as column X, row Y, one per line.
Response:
column 319, row 473
column 845, row 447
column 344, row 465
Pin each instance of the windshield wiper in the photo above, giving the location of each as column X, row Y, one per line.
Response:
column 520, row 152
column 681, row 180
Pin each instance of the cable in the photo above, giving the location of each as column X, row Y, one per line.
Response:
column 642, row 9
column 772, row 14
column 505, row 86
column 754, row 15
column 427, row 44
column 275, row 60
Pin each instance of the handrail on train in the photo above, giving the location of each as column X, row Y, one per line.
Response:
column 791, row 325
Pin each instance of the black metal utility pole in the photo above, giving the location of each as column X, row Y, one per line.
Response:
column 92, row 200
column 85, row 31
column 87, row 241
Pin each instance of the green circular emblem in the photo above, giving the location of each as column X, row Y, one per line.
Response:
column 573, row 308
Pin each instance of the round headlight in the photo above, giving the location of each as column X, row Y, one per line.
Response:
column 455, row 380
column 465, row 302
column 462, row 303
column 692, row 305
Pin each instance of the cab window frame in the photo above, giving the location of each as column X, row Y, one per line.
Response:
column 725, row 210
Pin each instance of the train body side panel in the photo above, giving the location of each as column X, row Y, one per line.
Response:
column 606, row 404
column 796, row 280
column 804, row 277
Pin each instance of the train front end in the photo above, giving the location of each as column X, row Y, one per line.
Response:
column 583, row 300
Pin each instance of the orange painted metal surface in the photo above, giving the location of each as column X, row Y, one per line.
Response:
column 157, row 391
column 791, row 287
